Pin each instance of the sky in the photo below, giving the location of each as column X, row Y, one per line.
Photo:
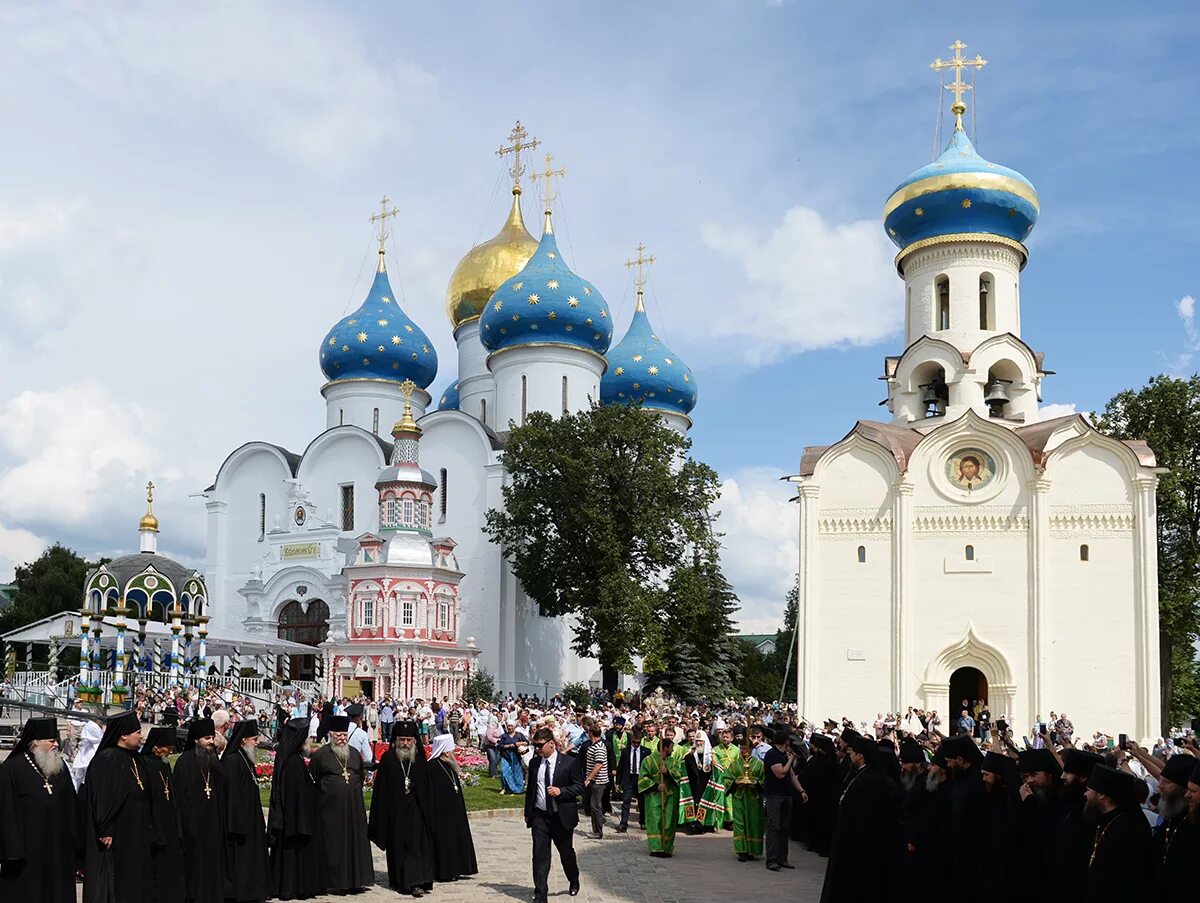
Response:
column 185, row 196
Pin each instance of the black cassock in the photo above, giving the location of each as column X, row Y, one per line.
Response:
column 401, row 821
column 1119, row 863
column 116, row 804
column 37, row 834
column 343, row 818
column 202, row 824
column 168, row 859
column 247, row 870
column 862, row 859
column 452, row 832
column 294, row 829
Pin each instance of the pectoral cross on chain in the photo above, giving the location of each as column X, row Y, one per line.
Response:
column 49, row 789
column 346, row 775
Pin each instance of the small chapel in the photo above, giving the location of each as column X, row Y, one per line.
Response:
column 965, row 548
column 381, row 567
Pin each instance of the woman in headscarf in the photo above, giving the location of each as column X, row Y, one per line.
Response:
column 512, row 771
column 454, row 849
column 91, row 737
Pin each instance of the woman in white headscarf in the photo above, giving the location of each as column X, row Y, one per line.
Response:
column 92, row 734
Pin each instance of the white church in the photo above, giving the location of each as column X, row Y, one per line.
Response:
column 392, row 579
column 966, row 548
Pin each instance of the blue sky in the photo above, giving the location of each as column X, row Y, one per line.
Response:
column 184, row 203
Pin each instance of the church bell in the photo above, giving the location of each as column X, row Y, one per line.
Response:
column 995, row 396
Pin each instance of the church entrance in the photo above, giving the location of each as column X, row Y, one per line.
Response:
column 303, row 624
column 968, row 684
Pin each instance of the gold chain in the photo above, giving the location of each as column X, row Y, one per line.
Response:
column 1100, row 832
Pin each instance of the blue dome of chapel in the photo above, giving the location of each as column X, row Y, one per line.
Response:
column 546, row 304
column 379, row 341
column 449, row 399
column 960, row 193
column 642, row 369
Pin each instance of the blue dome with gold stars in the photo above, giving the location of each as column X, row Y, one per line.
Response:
column 546, row 304
column 449, row 399
column 379, row 341
column 642, row 369
column 960, row 194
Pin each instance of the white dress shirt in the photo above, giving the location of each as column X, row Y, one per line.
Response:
column 540, row 800
column 357, row 738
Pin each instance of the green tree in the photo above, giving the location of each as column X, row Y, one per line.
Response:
column 757, row 674
column 480, row 685
column 1166, row 414
column 785, row 640
column 51, row 583
column 577, row 694
column 600, row 507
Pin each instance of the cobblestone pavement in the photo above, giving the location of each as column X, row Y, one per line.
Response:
column 617, row 869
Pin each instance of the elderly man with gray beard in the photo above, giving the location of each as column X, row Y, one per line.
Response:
column 37, row 814
column 338, row 771
column 402, row 812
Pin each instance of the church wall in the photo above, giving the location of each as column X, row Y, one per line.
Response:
column 963, row 264
column 543, row 369
column 344, row 459
column 354, row 403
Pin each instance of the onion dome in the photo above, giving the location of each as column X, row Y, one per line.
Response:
column 642, row 369
column 486, row 266
column 546, row 304
column 449, row 399
column 379, row 341
column 961, row 196
column 404, row 464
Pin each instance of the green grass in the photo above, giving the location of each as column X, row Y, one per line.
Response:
column 485, row 795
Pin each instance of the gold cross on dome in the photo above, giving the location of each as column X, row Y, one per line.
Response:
column 958, row 63
column 150, row 493
column 640, row 261
column 517, row 136
column 382, row 217
column 549, row 174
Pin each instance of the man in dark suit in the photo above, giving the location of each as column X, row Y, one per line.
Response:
column 552, row 811
column 628, row 766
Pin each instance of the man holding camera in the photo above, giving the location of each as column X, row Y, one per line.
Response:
column 779, row 786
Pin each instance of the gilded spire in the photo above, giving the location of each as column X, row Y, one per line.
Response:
column 549, row 174
column 382, row 217
column 406, row 424
column 640, row 261
column 149, row 521
column 958, row 62
column 517, row 136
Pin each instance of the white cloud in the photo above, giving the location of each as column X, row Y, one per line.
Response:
column 761, row 545
column 297, row 79
column 809, row 284
column 1059, row 409
column 17, row 547
column 1185, row 309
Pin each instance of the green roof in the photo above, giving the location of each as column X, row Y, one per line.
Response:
column 757, row 638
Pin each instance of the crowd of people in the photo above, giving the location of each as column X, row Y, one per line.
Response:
column 889, row 802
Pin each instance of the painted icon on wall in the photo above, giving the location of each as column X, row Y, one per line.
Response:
column 970, row 469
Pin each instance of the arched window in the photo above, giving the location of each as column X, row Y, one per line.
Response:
column 987, row 302
column 444, row 484
column 341, row 417
column 862, row 554
column 393, row 513
column 375, row 422
column 348, row 507
column 564, row 395
column 407, row 518
column 941, row 290
column 970, row 553
column 524, row 398
column 1084, row 553
column 408, row 611
column 262, row 516
column 483, row 411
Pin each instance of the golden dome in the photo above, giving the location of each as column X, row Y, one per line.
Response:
column 489, row 265
column 149, row 521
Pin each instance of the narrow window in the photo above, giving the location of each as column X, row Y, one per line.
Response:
column 368, row 611
column 262, row 516
column 393, row 513
column 987, row 302
column 862, row 554
column 1084, row 553
column 524, row 398
column 564, row 398
column 341, row 417
column 970, row 551
column 942, row 290
column 407, row 611
column 443, row 616
column 444, row 484
column 375, row 422
column 483, row 411
column 348, row 507
column 408, row 518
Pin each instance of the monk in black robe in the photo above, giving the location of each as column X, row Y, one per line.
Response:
column 402, row 812
column 337, row 770
column 1175, row 847
column 37, row 819
column 453, row 846
column 200, row 788
column 168, row 859
column 247, row 870
column 822, row 787
column 866, row 834
column 293, row 826
column 119, row 834
column 1119, row 864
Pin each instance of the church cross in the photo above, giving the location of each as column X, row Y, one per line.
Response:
column 382, row 217
column 549, row 175
column 640, row 261
column 150, row 493
column 517, row 136
column 958, row 63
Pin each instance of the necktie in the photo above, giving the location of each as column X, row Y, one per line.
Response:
column 546, row 783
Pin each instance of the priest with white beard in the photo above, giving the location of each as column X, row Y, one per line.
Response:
column 338, row 770
column 37, row 819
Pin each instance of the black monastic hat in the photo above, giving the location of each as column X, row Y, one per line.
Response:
column 338, row 724
column 912, row 754
column 1038, row 760
column 406, row 728
column 1080, row 762
column 118, row 727
column 1121, row 787
column 159, row 736
column 821, row 742
column 240, row 732
column 963, row 747
column 997, row 763
column 35, row 729
column 354, row 710
column 1178, row 769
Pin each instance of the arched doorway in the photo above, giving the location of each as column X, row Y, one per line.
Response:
column 969, row 684
column 300, row 626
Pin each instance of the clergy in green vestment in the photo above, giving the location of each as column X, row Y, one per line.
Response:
column 724, row 755
column 745, row 780
column 660, row 781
